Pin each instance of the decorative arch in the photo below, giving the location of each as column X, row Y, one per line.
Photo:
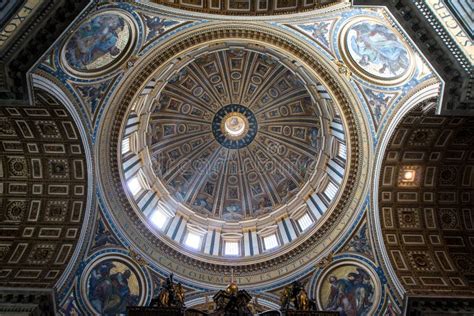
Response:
column 46, row 85
column 45, row 182
column 424, row 206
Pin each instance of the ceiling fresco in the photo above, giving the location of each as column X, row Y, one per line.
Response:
column 353, row 280
column 99, row 43
column 110, row 274
column 376, row 51
column 211, row 132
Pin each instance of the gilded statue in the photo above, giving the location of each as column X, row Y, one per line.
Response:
column 169, row 295
column 302, row 300
column 163, row 297
column 285, row 297
column 295, row 296
column 179, row 294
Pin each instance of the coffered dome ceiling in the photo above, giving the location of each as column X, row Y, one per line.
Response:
column 232, row 151
column 235, row 135
column 214, row 147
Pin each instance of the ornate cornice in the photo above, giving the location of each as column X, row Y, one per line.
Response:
column 302, row 253
column 249, row 7
column 27, row 45
column 438, row 47
column 26, row 301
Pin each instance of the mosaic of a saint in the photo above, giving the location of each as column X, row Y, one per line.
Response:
column 348, row 290
column 112, row 286
column 97, row 42
column 378, row 50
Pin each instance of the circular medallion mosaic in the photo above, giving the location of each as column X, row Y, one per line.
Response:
column 376, row 52
column 349, row 288
column 234, row 126
column 111, row 284
column 99, row 43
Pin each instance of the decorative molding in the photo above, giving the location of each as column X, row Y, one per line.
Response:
column 140, row 74
column 438, row 47
column 248, row 7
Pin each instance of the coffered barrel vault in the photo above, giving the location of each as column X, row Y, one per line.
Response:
column 426, row 202
column 43, row 176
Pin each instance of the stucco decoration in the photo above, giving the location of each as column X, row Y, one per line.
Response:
column 103, row 237
column 94, row 94
column 349, row 288
column 69, row 306
column 375, row 52
column 157, row 26
column 110, row 284
column 99, row 43
column 378, row 101
column 360, row 242
column 321, row 31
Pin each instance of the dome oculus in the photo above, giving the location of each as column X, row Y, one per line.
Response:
column 235, row 125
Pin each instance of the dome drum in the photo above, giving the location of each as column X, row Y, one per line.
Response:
column 282, row 168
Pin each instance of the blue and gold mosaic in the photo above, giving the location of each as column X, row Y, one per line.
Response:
column 242, row 116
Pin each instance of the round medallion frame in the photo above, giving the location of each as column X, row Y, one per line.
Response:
column 115, row 63
column 364, row 73
column 355, row 263
column 84, row 280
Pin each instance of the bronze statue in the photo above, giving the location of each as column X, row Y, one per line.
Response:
column 295, row 295
column 285, row 297
column 179, row 294
column 302, row 300
column 170, row 294
column 232, row 301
